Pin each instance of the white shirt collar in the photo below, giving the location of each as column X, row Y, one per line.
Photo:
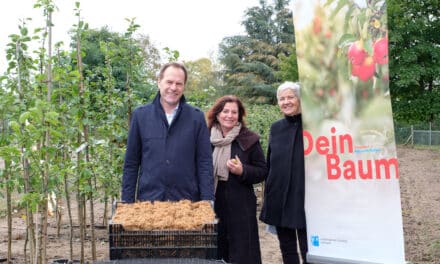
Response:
column 171, row 116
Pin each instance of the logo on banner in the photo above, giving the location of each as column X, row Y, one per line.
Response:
column 315, row 241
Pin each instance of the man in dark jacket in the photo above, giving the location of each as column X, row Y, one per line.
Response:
column 168, row 155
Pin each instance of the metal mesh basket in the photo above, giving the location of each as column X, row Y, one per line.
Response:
column 201, row 244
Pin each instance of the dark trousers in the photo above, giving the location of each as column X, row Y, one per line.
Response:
column 287, row 238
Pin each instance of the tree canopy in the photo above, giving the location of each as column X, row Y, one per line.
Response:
column 414, row 45
column 252, row 61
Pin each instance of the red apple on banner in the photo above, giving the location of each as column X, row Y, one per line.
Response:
column 317, row 25
column 365, row 71
column 381, row 51
column 356, row 53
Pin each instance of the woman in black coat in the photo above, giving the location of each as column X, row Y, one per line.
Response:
column 283, row 205
column 239, row 163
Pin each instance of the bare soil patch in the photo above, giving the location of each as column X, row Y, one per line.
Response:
column 420, row 195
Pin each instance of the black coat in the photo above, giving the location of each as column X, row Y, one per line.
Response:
column 235, row 203
column 284, row 187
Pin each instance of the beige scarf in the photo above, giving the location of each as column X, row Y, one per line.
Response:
column 222, row 150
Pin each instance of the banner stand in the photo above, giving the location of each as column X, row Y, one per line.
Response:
column 326, row 260
column 352, row 193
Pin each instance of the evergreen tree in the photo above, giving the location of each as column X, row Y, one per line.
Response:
column 251, row 61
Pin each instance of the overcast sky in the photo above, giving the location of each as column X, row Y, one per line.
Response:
column 194, row 27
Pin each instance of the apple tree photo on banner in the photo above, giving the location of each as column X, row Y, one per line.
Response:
column 352, row 180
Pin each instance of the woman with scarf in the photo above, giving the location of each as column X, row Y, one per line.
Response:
column 239, row 163
column 283, row 205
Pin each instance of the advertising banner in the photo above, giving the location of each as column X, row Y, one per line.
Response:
column 352, row 177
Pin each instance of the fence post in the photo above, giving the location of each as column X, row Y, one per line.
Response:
column 412, row 135
column 430, row 133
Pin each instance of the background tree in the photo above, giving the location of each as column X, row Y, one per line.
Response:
column 414, row 63
column 288, row 66
column 133, row 61
column 203, row 82
column 251, row 61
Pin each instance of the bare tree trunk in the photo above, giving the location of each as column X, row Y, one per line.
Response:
column 91, row 196
column 69, row 208
column 9, row 211
column 80, row 199
column 42, row 236
column 37, row 239
column 44, row 207
column 104, row 219
column 92, row 228
column 58, row 214
column 30, row 226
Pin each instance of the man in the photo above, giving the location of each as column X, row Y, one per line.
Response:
column 169, row 155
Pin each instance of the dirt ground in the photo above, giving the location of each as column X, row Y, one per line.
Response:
column 420, row 195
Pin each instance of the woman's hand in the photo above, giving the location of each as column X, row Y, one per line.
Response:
column 235, row 166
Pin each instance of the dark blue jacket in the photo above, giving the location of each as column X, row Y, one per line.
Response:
column 168, row 162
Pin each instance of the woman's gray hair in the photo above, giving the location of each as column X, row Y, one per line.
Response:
column 294, row 86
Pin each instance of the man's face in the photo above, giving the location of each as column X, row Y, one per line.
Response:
column 171, row 86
